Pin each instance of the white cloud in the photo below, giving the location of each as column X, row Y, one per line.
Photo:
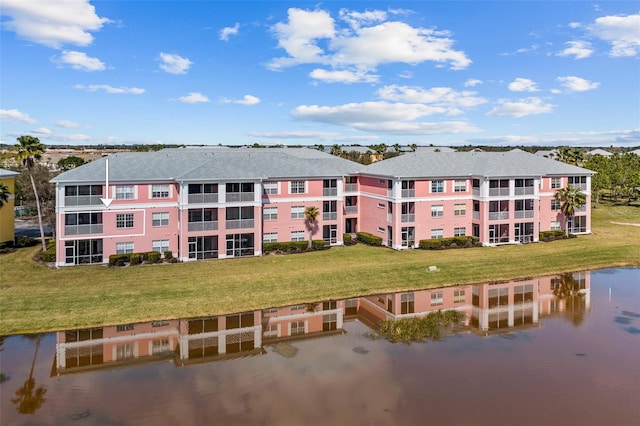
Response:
column 385, row 117
column 321, row 136
column 406, row 74
column 41, row 131
column 343, row 76
column 174, row 64
column 15, row 115
column 521, row 108
column 577, row 84
column 450, row 100
column 193, row 98
column 227, row 32
column 110, row 89
column 627, row 138
column 577, row 49
column 472, row 82
column 246, row 100
column 67, row 124
column 80, row 61
column 313, row 37
column 523, row 85
column 531, row 48
column 53, row 23
column 575, row 25
column 622, row 31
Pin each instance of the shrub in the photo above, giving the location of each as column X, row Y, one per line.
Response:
column 49, row 255
column 369, row 239
column 168, row 254
column 347, row 239
column 119, row 259
column 433, row 244
column 449, row 243
column 318, row 245
column 153, row 257
column 24, row 241
column 135, row 259
column 552, row 235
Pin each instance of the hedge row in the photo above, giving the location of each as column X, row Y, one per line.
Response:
column 449, row 243
column 552, row 235
column 137, row 258
column 370, row 239
column 292, row 246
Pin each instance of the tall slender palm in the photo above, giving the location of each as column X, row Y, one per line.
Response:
column 572, row 199
column 4, row 194
column 28, row 150
column 311, row 214
column 29, row 399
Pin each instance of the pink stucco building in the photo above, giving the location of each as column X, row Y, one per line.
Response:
column 205, row 203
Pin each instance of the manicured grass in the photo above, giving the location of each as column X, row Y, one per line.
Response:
column 35, row 298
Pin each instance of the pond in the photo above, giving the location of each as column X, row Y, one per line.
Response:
column 557, row 350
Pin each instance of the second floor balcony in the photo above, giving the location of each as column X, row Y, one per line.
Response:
column 330, row 215
column 523, row 214
column 234, row 197
column 351, row 209
column 203, row 226
column 408, row 217
column 95, row 228
column 83, row 200
column 203, row 198
column 499, row 215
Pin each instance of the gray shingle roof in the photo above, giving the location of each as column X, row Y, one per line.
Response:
column 212, row 163
column 461, row 164
column 7, row 173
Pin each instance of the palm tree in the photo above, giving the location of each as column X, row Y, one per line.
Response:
column 310, row 214
column 28, row 150
column 572, row 199
column 29, row 399
column 4, row 194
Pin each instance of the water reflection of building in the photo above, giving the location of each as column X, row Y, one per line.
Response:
column 488, row 308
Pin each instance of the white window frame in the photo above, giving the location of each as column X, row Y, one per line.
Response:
column 556, row 183
column 159, row 219
column 270, row 188
column 270, row 213
column 437, row 298
column 555, row 204
column 459, row 185
column 125, row 192
column 159, row 191
column 460, row 231
column 437, row 234
column 459, row 296
column 435, row 185
column 437, row 210
column 125, row 221
column 160, row 246
column 294, row 187
column 270, row 237
column 297, row 212
column 460, row 209
column 297, row 236
column 124, row 247
column 555, row 225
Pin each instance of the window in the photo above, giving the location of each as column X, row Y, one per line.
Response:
column 460, row 209
column 160, row 191
column 270, row 330
column 270, row 188
column 459, row 232
column 160, row 219
column 381, row 205
column 555, row 204
column 125, row 192
column 555, row 183
column 436, row 298
column 437, row 211
column 459, row 186
column 380, row 229
column 124, row 220
column 297, row 235
column 270, row 213
column 297, row 187
column 436, row 233
column 297, row 212
column 437, row 186
column 458, row 296
column 270, row 237
column 160, row 245
column 123, row 248
column 297, row 327
column 407, row 303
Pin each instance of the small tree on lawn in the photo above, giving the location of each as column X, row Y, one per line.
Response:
column 311, row 214
column 572, row 199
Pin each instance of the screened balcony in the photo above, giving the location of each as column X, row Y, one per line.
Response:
column 83, row 195
column 524, row 187
column 238, row 192
column 200, row 193
column 82, row 223
column 498, row 187
column 499, row 210
column 329, row 187
column 202, row 220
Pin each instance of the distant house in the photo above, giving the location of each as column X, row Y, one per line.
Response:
column 7, row 223
column 553, row 153
column 600, row 152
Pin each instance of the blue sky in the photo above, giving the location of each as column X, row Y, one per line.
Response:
column 335, row 72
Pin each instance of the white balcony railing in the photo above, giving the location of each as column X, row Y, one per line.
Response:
column 523, row 214
column 389, row 217
column 202, row 226
column 495, row 192
column 351, row 187
column 203, row 198
column 499, row 216
column 407, row 193
column 240, row 224
column 330, row 215
column 476, row 215
column 408, row 218
column 351, row 209
column 83, row 200
column 527, row 190
column 329, row 192
column 95, row 228
column 233, row 197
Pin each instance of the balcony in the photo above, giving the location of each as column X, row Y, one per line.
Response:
column 329, row 216
column 497, row 192
column 83, row 200
column 351, row 209
column 234, row 197
column 389, row 217
column 408, row 218
column 95, row 228
column 351, row 187
column 408, row 193
column 203, row 198
column 329, row 192
column 390, row 193
column 523, row 214
column 240, row 224
column 499, row 216
column 202, row 226
column 476, row 191
column 476, row 215
column 526, row 190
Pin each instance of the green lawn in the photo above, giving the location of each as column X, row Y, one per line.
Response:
column 35, row 298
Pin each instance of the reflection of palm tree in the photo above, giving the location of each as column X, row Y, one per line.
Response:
column 29, row 399
column 4, row 194
column 567, row 288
